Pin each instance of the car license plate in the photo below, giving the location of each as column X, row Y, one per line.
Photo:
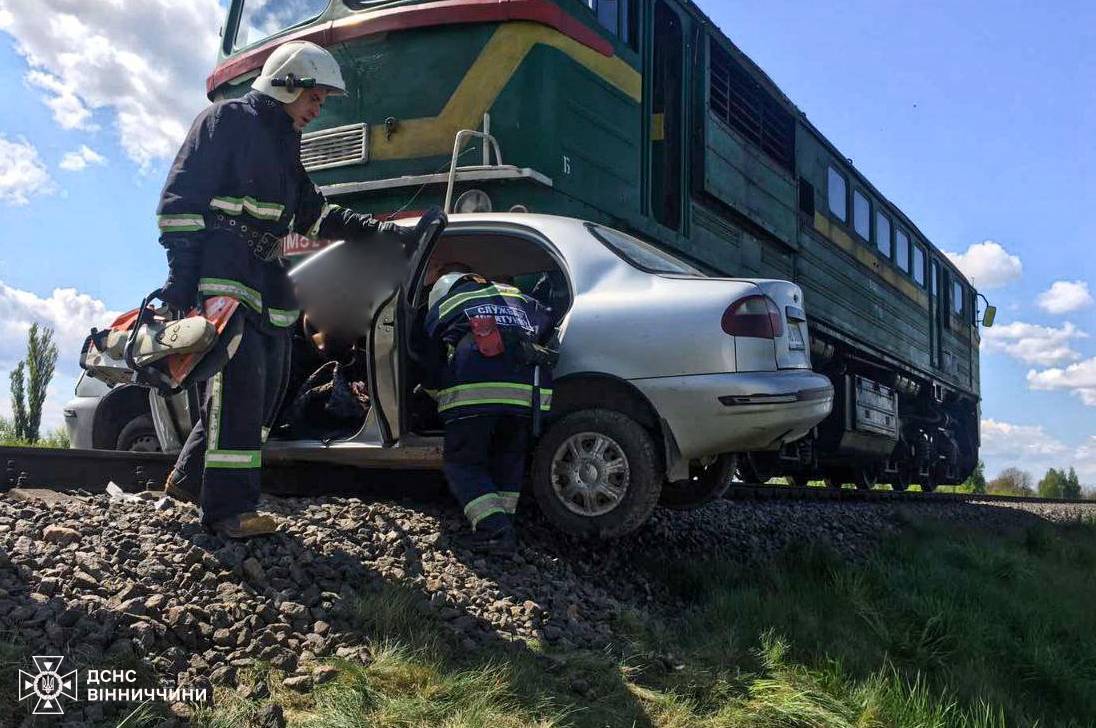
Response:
column 795, row 337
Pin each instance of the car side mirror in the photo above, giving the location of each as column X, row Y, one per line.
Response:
column 989, row 315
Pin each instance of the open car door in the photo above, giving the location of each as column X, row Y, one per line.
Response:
column 410, row 319
column 354, row 291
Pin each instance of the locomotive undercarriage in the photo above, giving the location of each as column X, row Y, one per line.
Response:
column 887, row 427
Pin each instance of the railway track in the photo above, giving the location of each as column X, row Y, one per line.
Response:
column 758, row 491
column 92, row 470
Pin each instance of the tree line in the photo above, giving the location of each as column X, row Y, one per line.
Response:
column 1058, row 484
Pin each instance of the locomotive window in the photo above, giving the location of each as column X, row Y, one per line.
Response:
column 919, row 264
column 957, row 298
column 883, row 234
column 861, row 215
column 739, row 101
column 902, row 250
column 616, row 16
column 259, row 19
column 836, row 190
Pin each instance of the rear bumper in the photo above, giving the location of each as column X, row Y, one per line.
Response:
column 717, row 413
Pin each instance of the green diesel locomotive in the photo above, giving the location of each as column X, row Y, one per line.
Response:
column 643, row 115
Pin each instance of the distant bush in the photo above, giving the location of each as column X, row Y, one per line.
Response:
column 58, row 437
column 1011, row 481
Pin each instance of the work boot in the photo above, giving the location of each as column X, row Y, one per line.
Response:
column 501, row 542
column 245, row 525
column 180, row 492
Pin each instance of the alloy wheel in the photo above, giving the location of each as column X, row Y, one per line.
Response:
column 590, row 474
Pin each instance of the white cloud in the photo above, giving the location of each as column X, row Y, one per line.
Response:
column 68, row 110
column 1079, row 378
column 1065, row 296
column 22, row 174
column 987, row 265
column 81, row 158
column 71, row 315
column 1019, row 442
column 1034, row 344
column 141, row 62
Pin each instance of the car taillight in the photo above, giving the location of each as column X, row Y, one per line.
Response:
column 756, row 316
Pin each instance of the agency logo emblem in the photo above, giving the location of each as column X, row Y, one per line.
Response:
column 49, row 685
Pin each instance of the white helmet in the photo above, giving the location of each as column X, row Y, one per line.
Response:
column 443, row 285
column 295, row 66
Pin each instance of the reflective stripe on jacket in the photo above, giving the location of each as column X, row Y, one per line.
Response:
column 240, row 168
column 470, row 383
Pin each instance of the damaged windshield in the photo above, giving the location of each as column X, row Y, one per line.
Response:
column 260, row 19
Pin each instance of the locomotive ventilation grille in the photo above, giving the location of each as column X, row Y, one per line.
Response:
column 740, row 101
column 336, row 147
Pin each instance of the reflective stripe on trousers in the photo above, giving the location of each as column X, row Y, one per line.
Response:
column 222, row 457
column 489, row 504
column 501, row 393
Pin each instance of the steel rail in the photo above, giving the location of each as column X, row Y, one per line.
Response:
column 761, row 491
column 91, row 471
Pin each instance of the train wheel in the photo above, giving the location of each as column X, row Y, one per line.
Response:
column 797, row 481
column 835, row 478
column 752, row 470
column 901, row 481
column 865, row 477
column 928, row 485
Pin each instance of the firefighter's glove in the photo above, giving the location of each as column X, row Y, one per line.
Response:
column 428, row 227
column 538, row 355
column 357, row 228
column 406, row 237
column 184, row 262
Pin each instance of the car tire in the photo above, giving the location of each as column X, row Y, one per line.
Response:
column 704, row 484
column 139, row 435
column 626, row 449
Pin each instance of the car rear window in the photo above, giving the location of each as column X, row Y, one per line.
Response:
column 641, row 254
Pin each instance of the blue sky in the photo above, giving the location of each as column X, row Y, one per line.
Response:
column 977, row 119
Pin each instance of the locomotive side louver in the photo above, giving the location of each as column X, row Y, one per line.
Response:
column 336, row 147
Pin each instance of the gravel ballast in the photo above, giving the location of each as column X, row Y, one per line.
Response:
column 105, row 582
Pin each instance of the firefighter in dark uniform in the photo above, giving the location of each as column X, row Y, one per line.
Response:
column 493, row 382
column 235, row 189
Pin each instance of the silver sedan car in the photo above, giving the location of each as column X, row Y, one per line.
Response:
column 665, row 372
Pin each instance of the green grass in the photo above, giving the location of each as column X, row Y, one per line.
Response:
column 941, row 627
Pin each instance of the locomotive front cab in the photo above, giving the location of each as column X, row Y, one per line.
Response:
column 556, row 83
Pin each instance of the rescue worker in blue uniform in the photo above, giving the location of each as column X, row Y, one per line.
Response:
column 235, row 189
column 492, row 377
